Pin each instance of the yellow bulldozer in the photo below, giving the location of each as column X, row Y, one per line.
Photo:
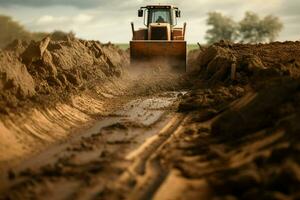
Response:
column 160, row 40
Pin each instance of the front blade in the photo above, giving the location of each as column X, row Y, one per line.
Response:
column 171, row 52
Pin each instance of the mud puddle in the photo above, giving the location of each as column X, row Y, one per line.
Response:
column 87, row 165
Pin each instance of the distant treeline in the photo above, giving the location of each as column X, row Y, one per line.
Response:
column 11, row 30
column 251, row 29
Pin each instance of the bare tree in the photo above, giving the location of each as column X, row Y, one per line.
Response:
column 222, row 28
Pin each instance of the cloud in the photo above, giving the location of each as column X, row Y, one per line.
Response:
column 49, row 23
column 290, row 7
column 45, row 19
column 48, row 19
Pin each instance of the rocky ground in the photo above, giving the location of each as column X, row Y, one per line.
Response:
column 81, row 125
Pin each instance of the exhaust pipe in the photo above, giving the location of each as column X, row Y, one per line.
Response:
column 184, row 28
column 132, row 28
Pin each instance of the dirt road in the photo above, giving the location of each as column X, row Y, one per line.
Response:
column 118, row 153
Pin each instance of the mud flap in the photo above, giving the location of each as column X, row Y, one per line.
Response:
column 173, row 53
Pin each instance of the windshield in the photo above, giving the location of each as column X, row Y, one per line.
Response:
column 159, row 15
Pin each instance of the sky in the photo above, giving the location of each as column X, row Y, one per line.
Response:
column 109, row 20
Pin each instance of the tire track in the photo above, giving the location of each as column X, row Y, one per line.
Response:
column 147, row 170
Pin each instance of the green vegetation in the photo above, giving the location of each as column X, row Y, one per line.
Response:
column 251, row 29
column 123, row 46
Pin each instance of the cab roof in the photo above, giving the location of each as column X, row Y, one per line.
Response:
column 159, row 6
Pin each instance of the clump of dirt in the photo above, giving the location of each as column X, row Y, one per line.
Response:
column 17, row 46
column 265, row 108
column 47, row 71
column 214, row 98
column 16, row 84
column 122, row 126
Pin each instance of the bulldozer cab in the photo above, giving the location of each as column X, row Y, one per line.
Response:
column 160, row 40
column 159, row 14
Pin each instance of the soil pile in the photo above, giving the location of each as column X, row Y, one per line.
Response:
column 237, row 63
column 226, row 71
column 48, row 71
column 248, row 146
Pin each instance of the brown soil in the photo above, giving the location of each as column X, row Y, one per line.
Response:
column 242, row 139
column 45, row 72
column 234, row 134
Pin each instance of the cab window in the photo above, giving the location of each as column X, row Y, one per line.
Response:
column 159, row 16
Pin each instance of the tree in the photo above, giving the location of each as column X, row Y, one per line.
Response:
column 249, row 27
column 222, row 28
column 270, row 27
column 252, row 29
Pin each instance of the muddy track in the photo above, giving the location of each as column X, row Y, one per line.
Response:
column 146, row 150
column 147, row 171
column 117, row 158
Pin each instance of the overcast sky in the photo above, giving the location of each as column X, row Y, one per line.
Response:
column 109, row 20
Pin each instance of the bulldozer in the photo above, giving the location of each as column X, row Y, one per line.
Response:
column 160, row 41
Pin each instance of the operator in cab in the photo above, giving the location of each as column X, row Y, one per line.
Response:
column 160, row 20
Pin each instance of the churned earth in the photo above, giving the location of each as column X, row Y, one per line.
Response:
column 228, row 129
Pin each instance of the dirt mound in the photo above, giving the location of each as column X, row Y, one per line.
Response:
column 242, row 138
column 48, row 71
column 239, row 63
column 267, row 73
